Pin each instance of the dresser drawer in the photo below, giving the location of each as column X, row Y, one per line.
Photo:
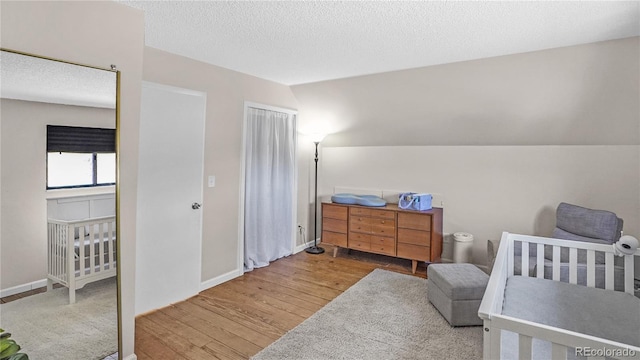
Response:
column 360, row 227
column 382, row 241
column 333, row 238
column 359, row 245
column 334, row 211
column 383, row 245
column 384, row 250
column 383, row 230
column 414, row 221
column 384, row 222
column 360, row 211
column 416, row 237
column 413, row 252
column 385, row 214
column 359, row 220
column 354, row 236
column 334, row 225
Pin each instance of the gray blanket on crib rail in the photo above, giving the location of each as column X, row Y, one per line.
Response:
column 611, row 315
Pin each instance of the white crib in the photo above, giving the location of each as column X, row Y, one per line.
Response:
column 81, row 252
column 563, row 343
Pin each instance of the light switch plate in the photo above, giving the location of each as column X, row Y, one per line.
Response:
column 212, row 181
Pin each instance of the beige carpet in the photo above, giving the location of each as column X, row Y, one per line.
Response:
column 48, row 327
column 385, row 315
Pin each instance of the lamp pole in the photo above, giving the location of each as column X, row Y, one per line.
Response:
column 315, row 249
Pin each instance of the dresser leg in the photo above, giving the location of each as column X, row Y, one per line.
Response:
column 414, row 266
column 335, row 251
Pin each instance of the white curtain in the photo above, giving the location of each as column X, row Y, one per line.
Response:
column 269, row 185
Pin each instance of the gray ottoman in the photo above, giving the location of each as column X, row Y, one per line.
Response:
column 456, row 290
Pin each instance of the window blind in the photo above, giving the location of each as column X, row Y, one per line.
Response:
column 80, row 139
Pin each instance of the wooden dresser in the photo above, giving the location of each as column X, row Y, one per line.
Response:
column 389, row 230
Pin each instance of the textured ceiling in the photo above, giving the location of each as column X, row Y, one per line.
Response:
column 295, row 42
column 34, row 79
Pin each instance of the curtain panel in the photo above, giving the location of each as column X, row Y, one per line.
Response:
column 269, row 187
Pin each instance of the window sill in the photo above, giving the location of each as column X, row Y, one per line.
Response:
column 67, row 193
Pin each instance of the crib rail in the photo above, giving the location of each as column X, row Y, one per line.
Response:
column 561, row 341
column 573, row 247
column 81, row 251
column 491, row 306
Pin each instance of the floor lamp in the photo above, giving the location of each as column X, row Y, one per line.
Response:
column 315, row 249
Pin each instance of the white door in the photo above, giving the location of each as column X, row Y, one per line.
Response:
column 170, row 184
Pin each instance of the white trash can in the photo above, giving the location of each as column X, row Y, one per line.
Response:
column 462, row 247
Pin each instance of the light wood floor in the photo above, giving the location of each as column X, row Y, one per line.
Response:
column 237, row 319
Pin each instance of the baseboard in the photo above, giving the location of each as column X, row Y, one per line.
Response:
column 22, row 288
column 130, row 357
column 220, row 279
column 300, row 248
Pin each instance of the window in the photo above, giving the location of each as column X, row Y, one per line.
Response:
column 80, row 157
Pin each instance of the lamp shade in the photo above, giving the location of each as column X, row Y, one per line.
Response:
column 316, row 138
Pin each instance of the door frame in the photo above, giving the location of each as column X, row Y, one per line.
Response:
column 243, row 164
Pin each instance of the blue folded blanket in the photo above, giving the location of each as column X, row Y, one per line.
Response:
column 364, row 200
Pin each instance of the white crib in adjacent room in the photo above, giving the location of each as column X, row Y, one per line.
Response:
column 80, row 252
column 542, row 315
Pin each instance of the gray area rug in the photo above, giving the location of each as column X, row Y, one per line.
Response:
column 385, row 315
column 48, row 327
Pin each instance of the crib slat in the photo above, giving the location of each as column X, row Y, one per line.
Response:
column 556, row 263
column 54, row 242
column 524, row 347
column 101, row 240
column 573, row 265
column 558, row 352
column 525, row 259
column 81, row 258
column 70, row 268
column 56, row 250
column 92, row 249
column 50, row 257
column 628, row 274
column 510, row 267
column 540, row 261
column 61, row 251
column 609, row 281
column 591, row 268
column 111, row 247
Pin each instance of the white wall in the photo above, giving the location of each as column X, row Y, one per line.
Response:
column 490, row 189
column 98, row 33
column 502, row 140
